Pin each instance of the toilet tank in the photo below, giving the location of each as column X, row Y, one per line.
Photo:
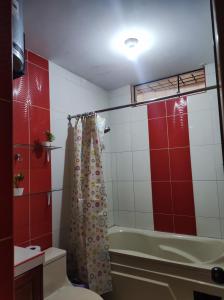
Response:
column 54, row 270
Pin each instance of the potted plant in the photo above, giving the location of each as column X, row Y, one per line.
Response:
column 18, row 191
column 49, row 138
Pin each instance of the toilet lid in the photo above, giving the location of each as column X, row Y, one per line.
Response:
column 73, row 293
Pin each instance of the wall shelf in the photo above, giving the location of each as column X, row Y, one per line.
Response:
column 48, row 194
column 36, row 146
column 37, row 193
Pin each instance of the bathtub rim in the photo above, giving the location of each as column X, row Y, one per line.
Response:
column 154, row 233
column 199, row 265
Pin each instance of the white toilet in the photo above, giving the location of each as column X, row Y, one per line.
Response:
column 55, row 281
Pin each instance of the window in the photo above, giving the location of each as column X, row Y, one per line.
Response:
column 170, row 86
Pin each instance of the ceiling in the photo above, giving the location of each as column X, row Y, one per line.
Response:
column 77, row 35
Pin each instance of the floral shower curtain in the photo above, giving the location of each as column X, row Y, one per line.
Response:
column 89, row 245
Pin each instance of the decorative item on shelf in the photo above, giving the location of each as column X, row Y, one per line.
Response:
column 49, row 138
column 47, row 144
column 18, row 191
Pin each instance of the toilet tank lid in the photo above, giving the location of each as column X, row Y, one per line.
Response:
column 52, row 254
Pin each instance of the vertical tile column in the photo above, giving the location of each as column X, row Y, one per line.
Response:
column 31, row 118
column 172, row 189
column 40, row 167
column 6, row 210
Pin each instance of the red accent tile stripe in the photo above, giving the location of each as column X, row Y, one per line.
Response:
column 37, row 60
column 31, row 118
column 170, row 162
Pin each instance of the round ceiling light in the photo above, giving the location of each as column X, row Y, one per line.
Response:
column 132, row 43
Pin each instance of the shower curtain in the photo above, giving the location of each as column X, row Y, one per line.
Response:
column 89, row 246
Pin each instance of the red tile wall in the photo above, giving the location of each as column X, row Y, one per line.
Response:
column 172, row 187
column 31, row 118
column 6, row 197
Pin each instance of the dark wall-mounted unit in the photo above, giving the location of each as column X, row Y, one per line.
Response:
column 18, row 39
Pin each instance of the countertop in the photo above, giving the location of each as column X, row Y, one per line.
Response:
column 26, row 259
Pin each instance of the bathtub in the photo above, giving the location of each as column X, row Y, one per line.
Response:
column 164, row 266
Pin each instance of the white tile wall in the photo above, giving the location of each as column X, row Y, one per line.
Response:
column 222, row 228
column 126, row 219
column 114, row 166
column 203, row 101
column 120, row 137
column 131, row 135
column 208, row 227
column 201, row 128
column 120, row 116
column 132, row 194
column 126, row 156
column 139, row 135
column 203, row 162
column 206, row 199
column 116, row 217
column 139, row 113
column 124, row 166
column 144, row 220
column 143, row 196
column 219, row 162
column 126, row 195
column 141, row 165
column 206, row 159
column 220, row 185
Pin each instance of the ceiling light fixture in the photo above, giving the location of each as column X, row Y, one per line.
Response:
column 132, row 43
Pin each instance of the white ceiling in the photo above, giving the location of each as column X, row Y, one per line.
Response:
column 77, row 34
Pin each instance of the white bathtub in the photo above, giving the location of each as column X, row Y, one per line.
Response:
column 167, row 247
column 167, row 266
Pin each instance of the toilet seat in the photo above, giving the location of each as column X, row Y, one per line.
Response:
column 73, row 293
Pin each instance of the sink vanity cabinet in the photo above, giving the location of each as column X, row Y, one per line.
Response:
column 29, row 285
column 28, row 274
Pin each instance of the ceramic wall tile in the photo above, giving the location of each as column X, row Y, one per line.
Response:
column 206, row 199
column 38, row 86
column 37, row 60
column 141, row 169
column 203, row 162
column 126, row 196
column 124, row 166
column 139, row 135
column 208, row 227
column 31, row 118
column 144, row 220
column 126, row 219
column 143, row 196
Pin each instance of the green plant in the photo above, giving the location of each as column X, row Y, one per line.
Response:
column 17, row 179
column 49, row 136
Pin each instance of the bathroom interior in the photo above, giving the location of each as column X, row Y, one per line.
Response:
column 114, row 119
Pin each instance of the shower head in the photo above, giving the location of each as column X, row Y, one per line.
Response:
column 107, row 129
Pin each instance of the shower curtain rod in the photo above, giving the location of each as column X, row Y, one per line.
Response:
column 143, row 102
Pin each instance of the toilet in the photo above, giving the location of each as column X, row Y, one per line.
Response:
column 55, row 280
